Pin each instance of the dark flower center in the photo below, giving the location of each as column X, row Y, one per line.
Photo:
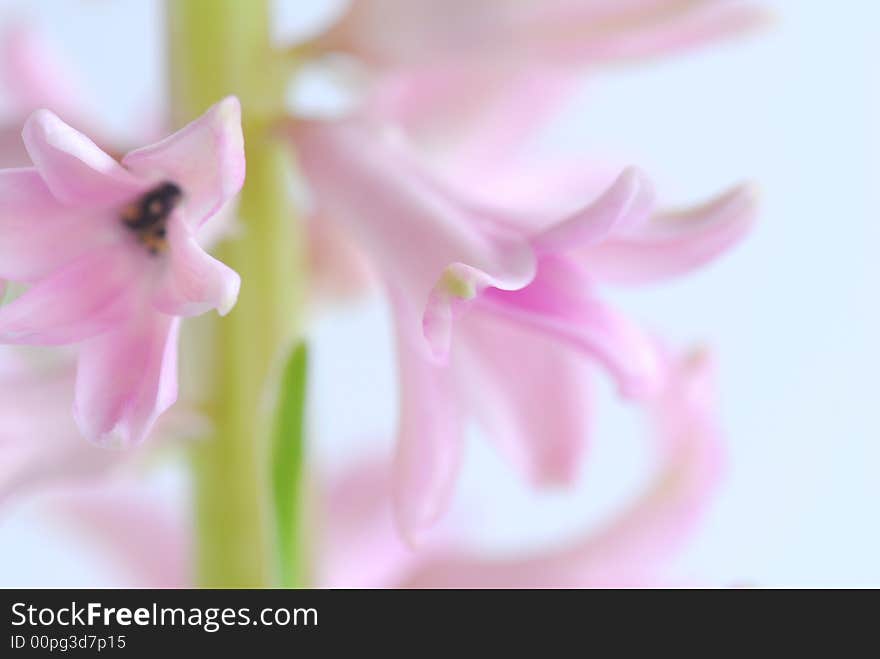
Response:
column 148, row 216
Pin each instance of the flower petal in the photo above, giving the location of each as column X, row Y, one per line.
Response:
column 672, row 244
column 360, row 546
column 470, row 120
column 75, row 169
column 530, row 392
column 429, row 442
column 633, row 547
column 423, row 33
column 560, row 302
column 12, row 151
column 143, row 534
column 638, row 28
column 411, row 227
column 79, row 300
column 338, row 270
column 37, row 233
column 35, row 75
column 126, row 378
column 205, row 158
column 193, row 282
column 40, row 444
column 625, row 205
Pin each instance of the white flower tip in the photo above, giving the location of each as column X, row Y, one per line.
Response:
column 639, row 187
column 230, row 294
column 739, row 205
column 228, row 109
column 102, row 438
column 750, row 192
column 40, row 122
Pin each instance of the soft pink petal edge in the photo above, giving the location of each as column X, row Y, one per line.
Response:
column 205, row 158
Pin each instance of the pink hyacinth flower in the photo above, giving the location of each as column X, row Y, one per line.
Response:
column 357, row 544
column 673, row 242
column 110, row 254
column 41, row 445
column 361, row 547
column 634, row 547
column 33, row 75
column 504, row 34
column 468, row 81
column 441, row 68
column 479, row 302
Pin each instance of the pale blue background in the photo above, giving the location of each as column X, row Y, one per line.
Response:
column 793, row 314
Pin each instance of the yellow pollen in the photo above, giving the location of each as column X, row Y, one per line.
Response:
column 457, row 286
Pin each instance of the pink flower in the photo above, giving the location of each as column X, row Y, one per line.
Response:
column 494, row 313
column 362, row 549
column 438, row 67
column 33, row 75
column 111, row 255
column 338, row 269
column 357, row 544
column 141, row 530
column 471, row 81
column 507, row 35
column 41, row 445
column 633, row 548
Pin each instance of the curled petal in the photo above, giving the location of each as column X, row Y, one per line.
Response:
column 411, row 227
column 632, row 548
column 530, row 392
column 205, row 158
column 560, row 302
column 193, row 281
column 429, row 443
column 76, row 170
column 37, row 233
column 621, row 208
column 79, row 300
column 676, row 243
column 126, row 378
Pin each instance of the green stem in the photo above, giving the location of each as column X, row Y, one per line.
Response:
column 217, row 48
column 288, row 469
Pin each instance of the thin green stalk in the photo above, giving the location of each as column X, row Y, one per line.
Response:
column 288, row 469
column 217, row 48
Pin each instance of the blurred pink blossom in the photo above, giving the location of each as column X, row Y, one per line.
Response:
column 471, row 83
column 41, row 445
column 32, row 75
column 492, row 308
column 442, row 227
column 509, row 35
column 354, row 542
column 439, row 68
column 110, row 253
